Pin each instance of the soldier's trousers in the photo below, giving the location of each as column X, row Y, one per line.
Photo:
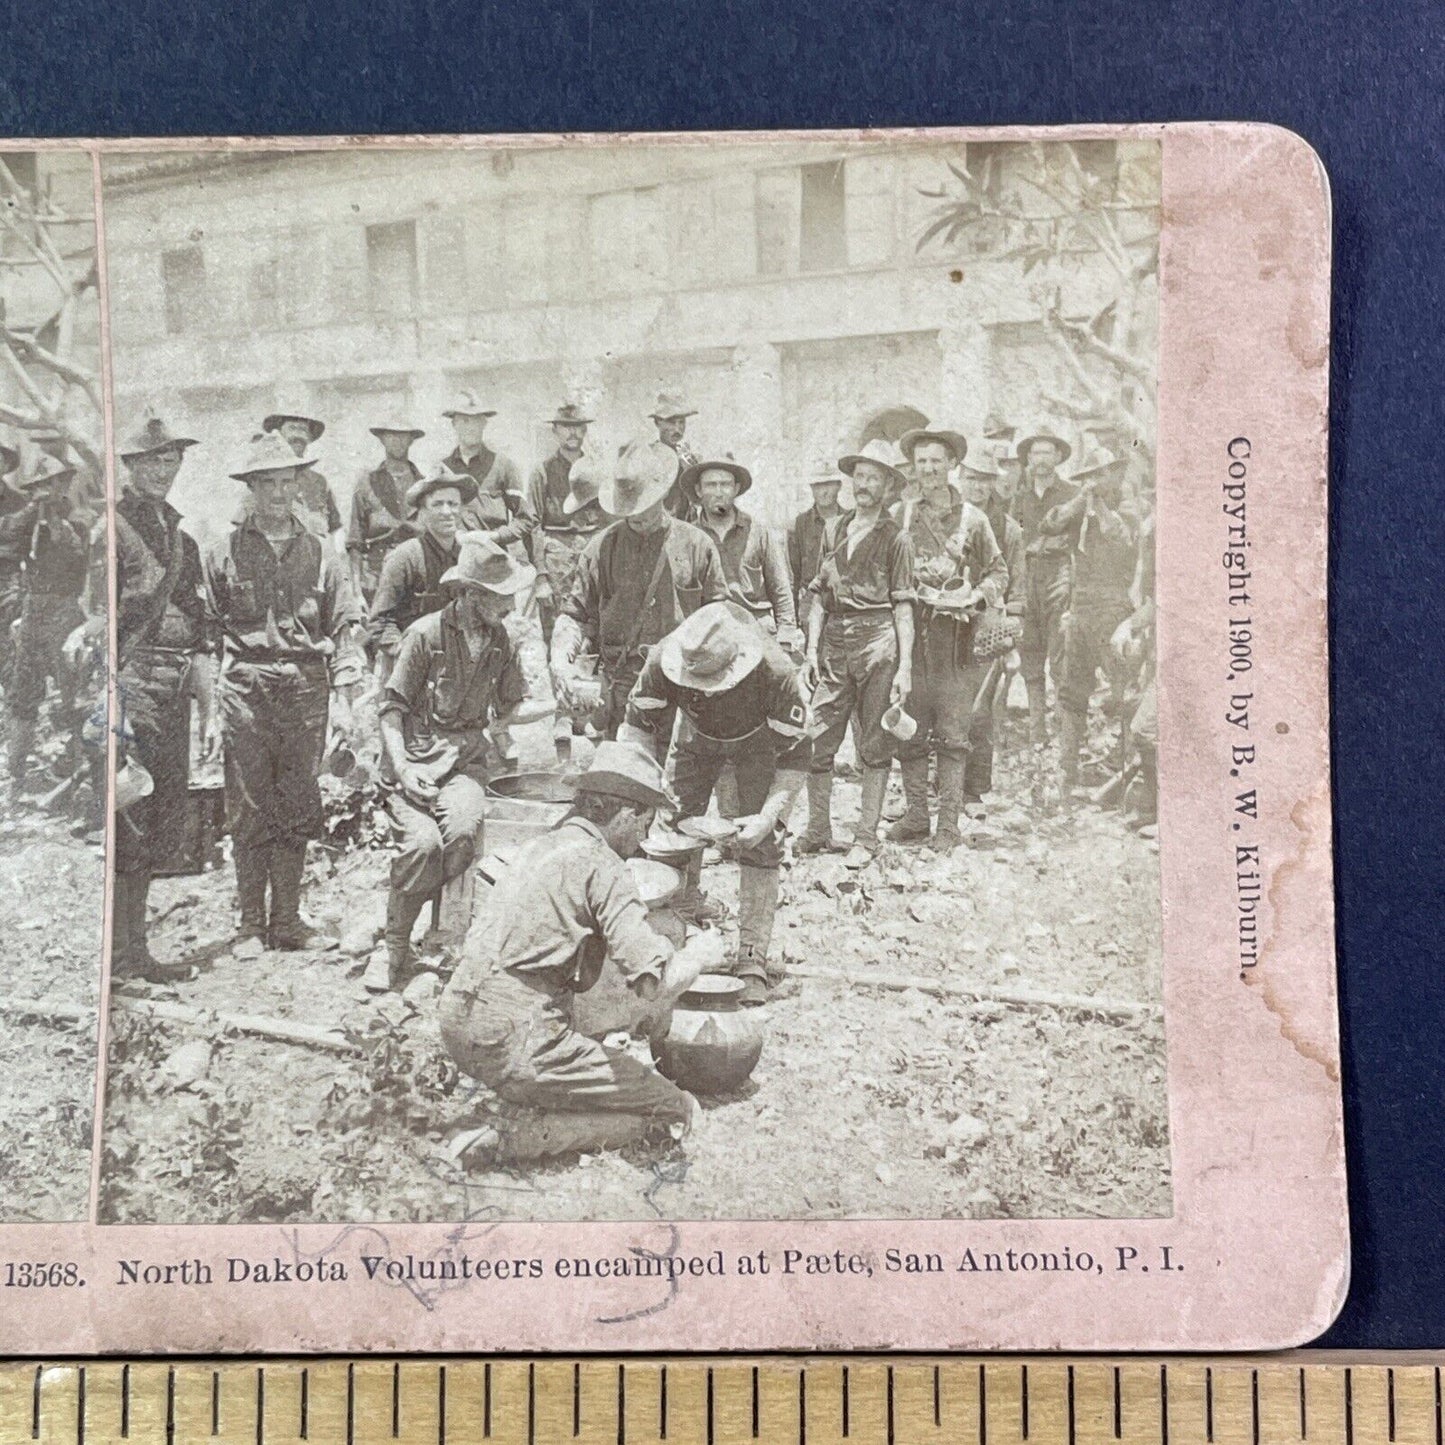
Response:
column 45, row 622
column 1042, row 644
column 155, row 696
column 521, row 1043
column 1086, row 635
column 945, row 682
column 857, row 659
column 439, row 843
column 698, row 762
column 273, row 722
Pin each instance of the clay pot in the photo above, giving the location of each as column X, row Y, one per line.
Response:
column 713, row 1044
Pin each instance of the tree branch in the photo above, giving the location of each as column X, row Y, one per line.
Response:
column 31, row 351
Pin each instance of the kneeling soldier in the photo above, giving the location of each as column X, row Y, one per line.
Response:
column 568, row 903
column 741, row 702
column 457, row 673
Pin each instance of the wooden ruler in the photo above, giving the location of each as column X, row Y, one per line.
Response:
column 997, row 1400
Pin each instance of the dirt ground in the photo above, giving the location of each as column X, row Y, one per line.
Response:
column 51, row 901
column 867, row 1101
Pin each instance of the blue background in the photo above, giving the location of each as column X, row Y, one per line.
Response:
column 1363, row 83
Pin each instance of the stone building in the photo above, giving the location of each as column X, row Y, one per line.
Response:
column 778, row 285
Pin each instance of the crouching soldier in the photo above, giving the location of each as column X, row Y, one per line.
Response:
column 456, row 674
column 741, row 702
column 569, row 903
column 280, row 601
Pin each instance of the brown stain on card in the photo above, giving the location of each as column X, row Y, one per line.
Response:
column 1287, row 902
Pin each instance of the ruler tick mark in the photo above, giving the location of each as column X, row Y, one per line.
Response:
column 1349, row 1407
column 35, row 1405
column 621, row 1406
column 531, row 1403
column 1439, row 1438
column 709, row 1406
column 305, row 1403
column 215, row 1402
column 487, row 1398
column 441, row 1405
column 260, row 1405
column 755, row 1402
column 171, row 1406
column 937, row 1398
column 576, row 1400
column 125, row 1402
column 1071, row 1406
column 1118, row 1407
column 80, row 1408
column 1390, row 1400
column 1163, row 1405
column 890, row 1405
column 1024, row 1400
column 845, row 1402
column 396, row 1401
column 1303, row 1417
column 982, row 1407
column 662, row 1405
column 1254, row 1405
column 803, row 1406
column 1209, row 1405
column 350, row 1404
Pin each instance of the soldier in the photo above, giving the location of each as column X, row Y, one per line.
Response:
column 860, row 646
column 958, row 566
column 636, row 580
column 317, row 502
column 379, row 510
column 1046, row 558
column 53, row 576
column 742, row 702
column 164, row 660
column 980, row 475
column 669, row 415
column 457, row 674
column 409, row 586
column 568, row 905
column 1102, row 552
column 562, row 499
column 281, row 603
column 752, row 558
column 497, row 505
column 805, row 535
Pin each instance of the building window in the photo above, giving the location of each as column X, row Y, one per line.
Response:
column 391, row 268
column 823, row 234
column 183, row 281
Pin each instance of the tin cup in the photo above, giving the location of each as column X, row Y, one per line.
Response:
column 899, row 723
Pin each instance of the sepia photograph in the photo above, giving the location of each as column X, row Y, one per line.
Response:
column 637, row 679
column 53, row 636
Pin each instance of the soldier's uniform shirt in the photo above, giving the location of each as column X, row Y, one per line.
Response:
column 756, row 570
column 1103, row 555
column 53, row 574
column 500, row 505
column 283, row 614
column 1046, row 562
column 805, row 544
column 379, row 519
column 444, row 697
column 611, row 586
column 945, row 676
column 759, row 725
column 409, row 587
column 506, row 1016
column 156, row 657
column 857, row 589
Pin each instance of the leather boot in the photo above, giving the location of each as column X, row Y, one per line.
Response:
column 1071, row 736
column 912, row 827
column 287, row 931
column 252, row 867
column 135, row 959
column 818, row 838
column 402, row 911
column 757, row 906
column 950, row 802
column 865, row 835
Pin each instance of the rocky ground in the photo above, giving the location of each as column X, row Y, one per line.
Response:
column 868, row 1100
column 51, row 905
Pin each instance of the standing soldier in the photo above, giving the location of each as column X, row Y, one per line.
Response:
column 457, row 674
column 742, row 704
column 980, row 475
column 1046, row 557
column 562, row 500
column 860, row 646
column 379, row 509
column 669, row 415
column 1102, row 549
column 752, row 557
column 636, row 580
column 410, row 583
column 805, row 536
column 53, row 575
column 164, row 659
column 315, row 498
column 497, row 505
column 281, row 603
column 953, row 544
